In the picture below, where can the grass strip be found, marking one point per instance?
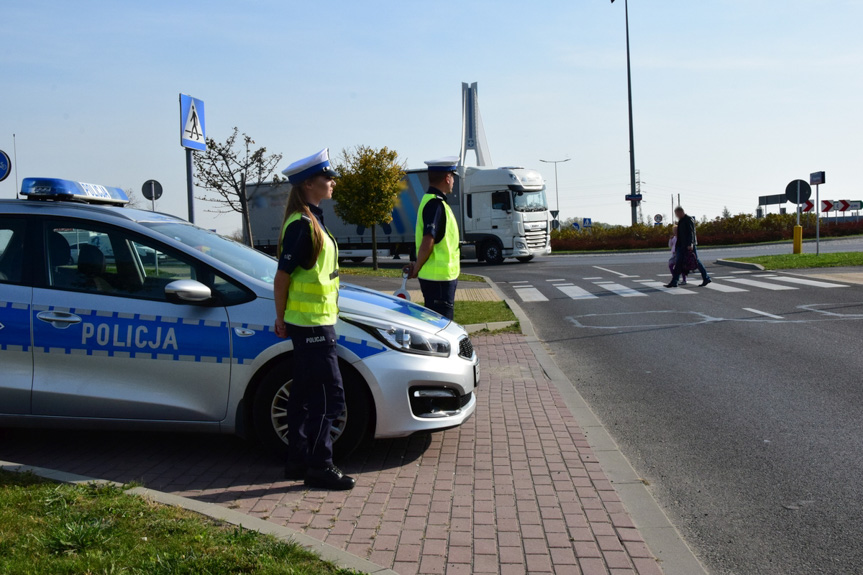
(470, 312)
(392, 273)
(803, 261)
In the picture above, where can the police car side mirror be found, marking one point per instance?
(188, 291)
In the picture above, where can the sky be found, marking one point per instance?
(732, 99)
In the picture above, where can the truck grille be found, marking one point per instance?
(536, 239)
(465, 348)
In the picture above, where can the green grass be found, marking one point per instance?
(470, 312)
(392, 273)
(801, 261)
(58, 529)
(514, 328)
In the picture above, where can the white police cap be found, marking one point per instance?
(445, 164)
(312, 166)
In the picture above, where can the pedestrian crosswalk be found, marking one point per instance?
(628, 286)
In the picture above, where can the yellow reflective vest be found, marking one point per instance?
(313, 295)
(443, 263)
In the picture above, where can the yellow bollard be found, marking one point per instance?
(798, 239)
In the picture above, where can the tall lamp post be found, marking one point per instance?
(631, 137)
(556, 193)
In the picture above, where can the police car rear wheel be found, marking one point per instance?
(270, 416)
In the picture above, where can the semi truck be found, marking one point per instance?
(501, 212)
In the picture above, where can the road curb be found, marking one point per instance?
(660, 535)
(740, 265)
(326, 551)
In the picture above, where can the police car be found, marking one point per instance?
(173, 330)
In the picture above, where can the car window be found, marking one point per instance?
(11, 250)
(500, 201)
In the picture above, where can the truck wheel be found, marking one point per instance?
(268, 411)
(524, 259)
(492, 252)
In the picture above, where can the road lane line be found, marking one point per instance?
(723, 288)
(621, 290)
(762, 285)
(599, 278)
(743, 272)
(557, 280)
(576, 292)
(530, 294)
(764, 313)
(807, 282)
(621, 274)
(661, 287)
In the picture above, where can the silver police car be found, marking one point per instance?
(154, 323)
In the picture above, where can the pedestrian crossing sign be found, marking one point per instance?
(192, 128)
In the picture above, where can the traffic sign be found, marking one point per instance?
(657, 218)
(772, 200)
(575, 226)
(193, 133)
(843, 205)
(797, 192)
(817, 178)
(827, 205)
(633, 197)
(554, 214)
(856, 205)
(586, 222)
(5, 165)
(152, 190)
(808, 205)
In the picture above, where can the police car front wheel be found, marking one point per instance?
(270, 419)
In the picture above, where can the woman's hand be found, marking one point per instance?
(281, 328)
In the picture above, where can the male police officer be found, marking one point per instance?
(437, 264)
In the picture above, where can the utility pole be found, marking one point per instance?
(556, 192)
(631, 136)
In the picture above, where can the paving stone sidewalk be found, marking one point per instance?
(515, 490)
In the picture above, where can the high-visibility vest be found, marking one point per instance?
(313, 295)
(443, 263)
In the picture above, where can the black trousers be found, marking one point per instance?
(317, 395)
(439, 296)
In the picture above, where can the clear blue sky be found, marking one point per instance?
(733, 98)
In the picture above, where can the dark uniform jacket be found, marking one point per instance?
(686, 233)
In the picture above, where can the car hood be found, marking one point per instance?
(357, 302)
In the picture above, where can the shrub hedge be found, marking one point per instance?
(739, 229)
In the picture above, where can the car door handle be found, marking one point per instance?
(58, 319)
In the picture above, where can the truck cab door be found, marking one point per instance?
(501, 217)
(479, 212)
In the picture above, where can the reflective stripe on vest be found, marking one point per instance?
(443, 263)
(313, 295)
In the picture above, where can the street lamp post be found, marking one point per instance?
(631, 136)
(556, 193)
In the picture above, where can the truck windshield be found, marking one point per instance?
(530, 201)
(242, 258)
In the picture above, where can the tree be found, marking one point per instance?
(135, 201)
(224, 168)
(368, 188)
(726, 213)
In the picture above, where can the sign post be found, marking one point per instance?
(798, 192)
(816, 179)
(193, 136)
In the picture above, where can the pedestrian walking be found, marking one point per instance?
(686, 244)
(437, 265)
(672, 262)
(306, 290)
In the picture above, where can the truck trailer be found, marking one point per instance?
(502, 212)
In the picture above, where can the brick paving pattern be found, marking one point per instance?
(515, 490)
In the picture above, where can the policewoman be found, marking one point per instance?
(306, 290)
(437, 265)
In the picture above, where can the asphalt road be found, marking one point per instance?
(741, 405)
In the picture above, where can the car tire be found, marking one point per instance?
(524, 259)
(349, 431)
(492, 252)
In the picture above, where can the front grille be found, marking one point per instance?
(536, 239)
(464, 399)
(465, 348)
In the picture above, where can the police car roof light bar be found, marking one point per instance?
(68, 190)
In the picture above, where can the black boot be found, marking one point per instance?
(330, 477)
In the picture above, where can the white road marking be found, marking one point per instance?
(764, 313)
(599, 278)
(520, 282)
(661, 287)
(564, 284)
(762, 285)
(743, 272)
(558, 280)
(724, 288)
(621, 290)
(621, 274)
(576, 292)
(530, 294)
(807, 282)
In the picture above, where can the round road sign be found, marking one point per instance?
(657, 218)
(152, 190)
(798, 191)
(5, 165)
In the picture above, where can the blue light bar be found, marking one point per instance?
(57, 189)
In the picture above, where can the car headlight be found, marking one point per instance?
(403, 338)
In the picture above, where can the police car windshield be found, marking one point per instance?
(530, 201)
(242, 258)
